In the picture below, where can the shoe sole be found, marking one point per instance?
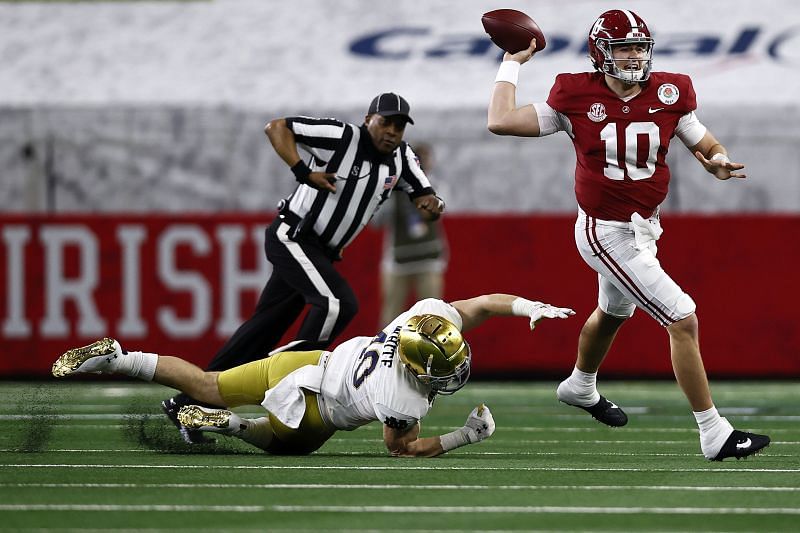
(73, 359)
(192, 437)
(750, 454)
(194, 417)
(586, 409)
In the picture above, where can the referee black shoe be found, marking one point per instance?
(190, 436)
(742, 444)
(606, 412)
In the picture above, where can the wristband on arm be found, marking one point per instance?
(301, 172)
(509, 71)
(454, 439)
(524, 307)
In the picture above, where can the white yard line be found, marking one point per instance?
(531, 509)
(709, 469)
(377, 486)
(402, 509)
(133, 508)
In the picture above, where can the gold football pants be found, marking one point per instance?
(246, 385)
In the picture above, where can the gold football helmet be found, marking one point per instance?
(432, 348)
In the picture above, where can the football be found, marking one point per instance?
(512, 30)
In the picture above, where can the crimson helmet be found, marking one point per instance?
(614, 27)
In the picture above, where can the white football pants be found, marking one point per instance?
(629, 277)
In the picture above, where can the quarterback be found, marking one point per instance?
(393, 377)
(621, 118)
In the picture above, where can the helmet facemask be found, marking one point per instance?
(433, 350)
(609, 66)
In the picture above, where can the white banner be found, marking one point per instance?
(312, 54)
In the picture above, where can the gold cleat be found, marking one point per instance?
(201, 418)
(73, 359)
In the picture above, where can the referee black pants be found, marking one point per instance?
(302, 273)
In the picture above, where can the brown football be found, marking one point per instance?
(512, 30)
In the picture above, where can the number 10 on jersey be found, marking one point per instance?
(635, 168)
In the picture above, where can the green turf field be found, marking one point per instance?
(98, 455)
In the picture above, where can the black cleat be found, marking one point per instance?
(606, 412)
(190, 436)
(742, 444)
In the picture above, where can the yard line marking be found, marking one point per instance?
(556, 441)
(61, 426)
(399, 509)
(345, 440)
(361, 486)
(75, 416)
(530, 509)
(591, 429)
(88, 450)
(569, 429)
(665, 442)
(597, 454)
(134, 508)
(709, 469)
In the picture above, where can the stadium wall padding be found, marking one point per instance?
(180, 284)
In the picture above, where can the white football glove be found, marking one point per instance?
(538, 310)
(480, 424)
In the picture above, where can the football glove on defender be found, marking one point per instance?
(538, 310)
(480, 424)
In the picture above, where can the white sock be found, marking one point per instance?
(714, 431)
(140, 365)
(255, 431)
(580, 388)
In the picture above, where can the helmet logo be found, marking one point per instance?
(597, 27)
(597, 113)
(668, 93)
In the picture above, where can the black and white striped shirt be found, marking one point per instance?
(365, 179)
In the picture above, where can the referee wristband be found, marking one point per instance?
(301, 172)
(508, 71)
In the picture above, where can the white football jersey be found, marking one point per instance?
(365, 380)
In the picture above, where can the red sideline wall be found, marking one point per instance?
(168, 299)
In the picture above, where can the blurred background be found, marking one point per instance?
(136, 181)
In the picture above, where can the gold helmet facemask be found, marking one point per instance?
(433, 350)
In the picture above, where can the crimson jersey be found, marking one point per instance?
(621, 145)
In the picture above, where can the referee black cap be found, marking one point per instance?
(390, 104)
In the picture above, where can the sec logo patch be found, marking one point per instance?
(597, 113)
(668, 93)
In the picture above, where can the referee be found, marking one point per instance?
(350, 172)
